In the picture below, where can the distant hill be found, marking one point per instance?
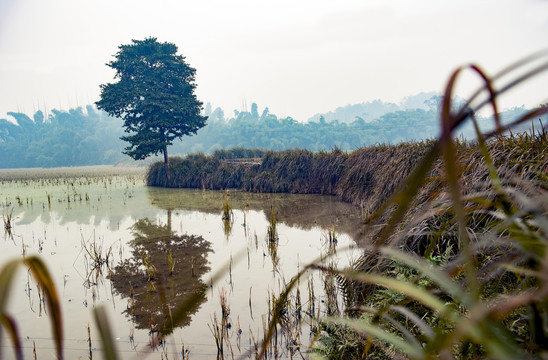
(371, 110)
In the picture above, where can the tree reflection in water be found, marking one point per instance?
(153, 292)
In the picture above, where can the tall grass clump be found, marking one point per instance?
(218, 171)
(272, 230)
(7, 218)
(238, 153)
(458, 262)
(227, 208)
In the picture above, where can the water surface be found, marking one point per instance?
(140, 252)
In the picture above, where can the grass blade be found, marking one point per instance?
(439, 277)
(42, 276)
(11, 328)
(362, 326)
(409, 289)
(103, 324)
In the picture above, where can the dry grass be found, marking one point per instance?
(68, 172)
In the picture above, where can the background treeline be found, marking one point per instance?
(72, 138)
(249, 130)
(90, 137)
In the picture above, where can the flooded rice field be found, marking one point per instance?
(140, 252)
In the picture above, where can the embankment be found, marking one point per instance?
(365, 177)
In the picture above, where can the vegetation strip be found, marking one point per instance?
(366, 177)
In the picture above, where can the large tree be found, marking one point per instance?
(154, 96)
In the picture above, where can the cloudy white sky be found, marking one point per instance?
(296, 57)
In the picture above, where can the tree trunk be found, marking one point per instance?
(166, 161)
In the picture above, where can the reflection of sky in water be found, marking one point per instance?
(106, 219)
(303, 211)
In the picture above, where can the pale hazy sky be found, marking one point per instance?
(296, 57)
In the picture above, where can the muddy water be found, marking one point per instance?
(141, 252)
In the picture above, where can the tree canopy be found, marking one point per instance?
(154, 96)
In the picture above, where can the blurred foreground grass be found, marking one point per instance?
(458, 266)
